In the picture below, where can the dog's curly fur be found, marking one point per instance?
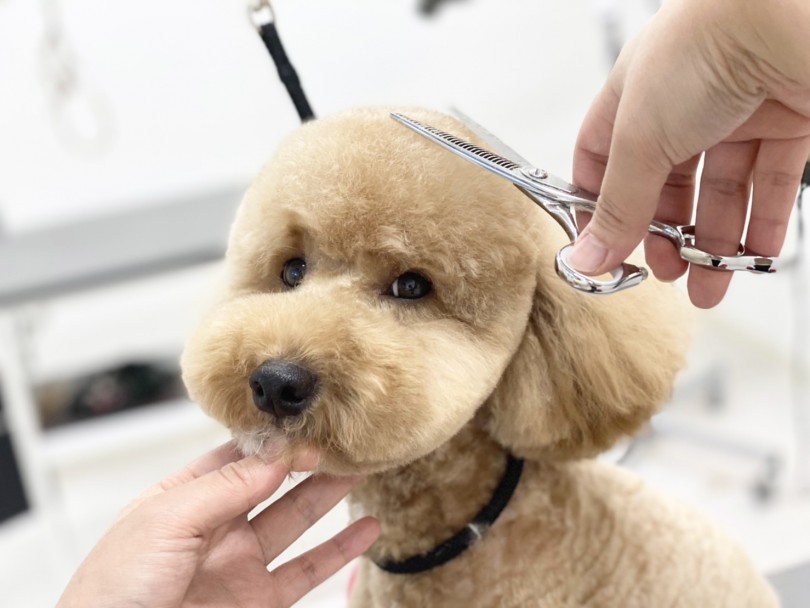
(427, 396)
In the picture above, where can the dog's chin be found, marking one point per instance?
(270, 444)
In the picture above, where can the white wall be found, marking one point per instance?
(194, 100)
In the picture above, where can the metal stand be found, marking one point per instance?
(21, 411)
(800, 359)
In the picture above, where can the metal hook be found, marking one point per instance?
(261, 13)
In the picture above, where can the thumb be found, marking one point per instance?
(627, 202)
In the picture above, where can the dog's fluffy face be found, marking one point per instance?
(363, 201)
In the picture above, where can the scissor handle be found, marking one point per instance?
(623, 277)
(683, 238)
(742, 260)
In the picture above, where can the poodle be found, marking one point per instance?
(396, 309)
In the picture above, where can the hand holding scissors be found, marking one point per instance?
(726, 83)
(562, 201)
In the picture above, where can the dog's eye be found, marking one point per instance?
(411, 286)
(293, 272)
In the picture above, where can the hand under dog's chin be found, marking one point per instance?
(269, 444)
(272, 445)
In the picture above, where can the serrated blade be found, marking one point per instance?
(495, 163)
(493, 141)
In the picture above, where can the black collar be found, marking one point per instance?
(469, 535)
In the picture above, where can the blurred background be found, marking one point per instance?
(128, 132)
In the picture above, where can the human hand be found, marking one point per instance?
(188, 542)
(728, 80)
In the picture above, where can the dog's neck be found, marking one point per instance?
(429, 500)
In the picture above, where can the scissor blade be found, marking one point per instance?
(494, 143)
(524, 175)
(483, 158)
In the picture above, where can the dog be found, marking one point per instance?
(396, 309)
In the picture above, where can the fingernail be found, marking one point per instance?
(588, 254)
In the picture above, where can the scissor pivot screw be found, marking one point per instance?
(534, 173)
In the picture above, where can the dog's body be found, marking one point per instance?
(396, 309)
(575, 534)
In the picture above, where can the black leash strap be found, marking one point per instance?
(264, 19)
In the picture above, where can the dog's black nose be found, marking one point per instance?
(282, 388)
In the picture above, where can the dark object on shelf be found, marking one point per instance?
(114, 390)
(12, 495)
(129, 386)
(429, 7)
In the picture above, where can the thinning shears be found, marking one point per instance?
(562, 201)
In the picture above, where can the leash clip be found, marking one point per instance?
(261, 13)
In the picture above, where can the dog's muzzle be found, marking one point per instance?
(282, 388)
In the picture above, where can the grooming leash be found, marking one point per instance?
(467, 536)
(263, 18)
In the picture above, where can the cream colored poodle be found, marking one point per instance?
(396, 308)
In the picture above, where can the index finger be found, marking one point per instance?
(211, 500)
(302, 574)
(210, 461)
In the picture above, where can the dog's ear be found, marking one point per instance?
(589, 369)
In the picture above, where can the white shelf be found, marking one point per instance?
(87, 440)
(67, 262)
(103, 251)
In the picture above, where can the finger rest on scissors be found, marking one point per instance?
(623, 277)
(742, 260)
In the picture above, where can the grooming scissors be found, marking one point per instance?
(562, 200)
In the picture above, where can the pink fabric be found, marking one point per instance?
(352, 581)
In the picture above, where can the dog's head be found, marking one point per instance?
(383, 292)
